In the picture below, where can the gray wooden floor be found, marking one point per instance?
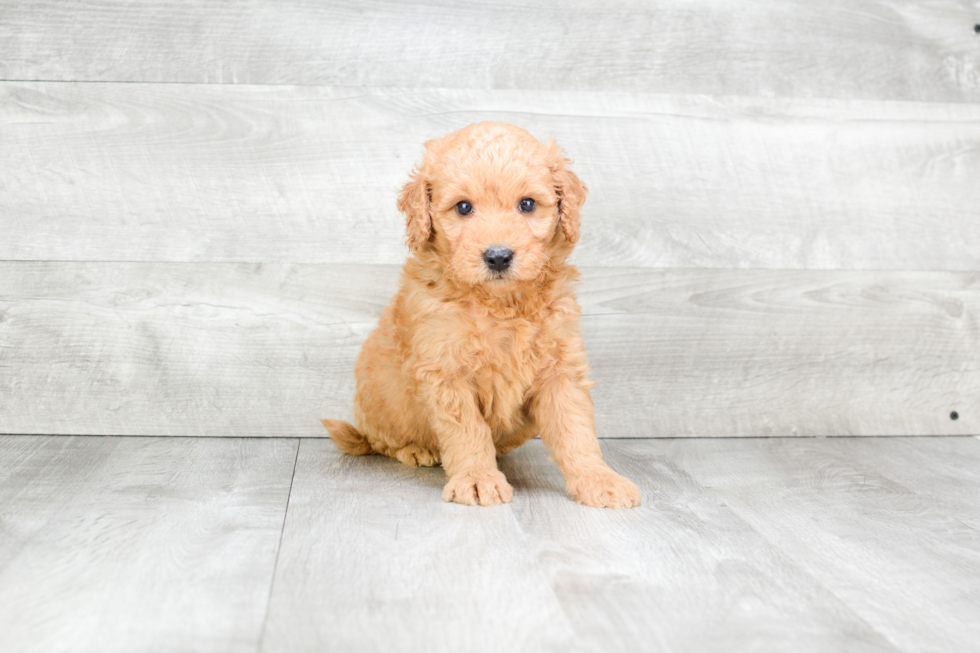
(254, 544)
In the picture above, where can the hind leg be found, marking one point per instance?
(416, 456)
(386, 407)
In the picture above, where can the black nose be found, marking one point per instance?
(498, 258)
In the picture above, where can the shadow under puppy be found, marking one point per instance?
(481, 348)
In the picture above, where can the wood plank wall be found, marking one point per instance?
(197, 220)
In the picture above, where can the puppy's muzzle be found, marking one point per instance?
(498, 258)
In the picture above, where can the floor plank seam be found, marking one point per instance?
(275, 566)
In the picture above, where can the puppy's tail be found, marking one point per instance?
(347, 438)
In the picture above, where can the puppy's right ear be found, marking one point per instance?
(413, 201)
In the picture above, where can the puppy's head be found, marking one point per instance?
(494, 204)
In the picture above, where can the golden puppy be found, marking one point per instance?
(481, 349)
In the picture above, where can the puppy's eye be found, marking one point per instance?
(526, 205)
(464, 208)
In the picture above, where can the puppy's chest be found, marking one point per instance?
(492, 342)
(502, 361)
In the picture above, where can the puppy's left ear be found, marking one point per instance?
(413, 201)
(571, 192)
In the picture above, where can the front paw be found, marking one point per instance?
(604, 488)
(483, 487)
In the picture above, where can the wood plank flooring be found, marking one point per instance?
(138, 544)
(929, 566)
(231, 544)
(266, 350)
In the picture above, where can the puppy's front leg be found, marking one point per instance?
(466, 446)
(563, 411)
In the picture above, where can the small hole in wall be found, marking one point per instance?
(954, 416)
(976, 28)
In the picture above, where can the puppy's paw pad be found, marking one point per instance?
(605, 489)
(484, 488)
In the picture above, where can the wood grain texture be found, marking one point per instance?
(747, 544)
(266, 350)
(683, 572)
(942, 472)
(872, 541)
(183, 349)
(138, 544)
(373, 560)
(876, 49)
(753, 352)
(144, 172)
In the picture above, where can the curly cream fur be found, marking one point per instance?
(467, 364)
